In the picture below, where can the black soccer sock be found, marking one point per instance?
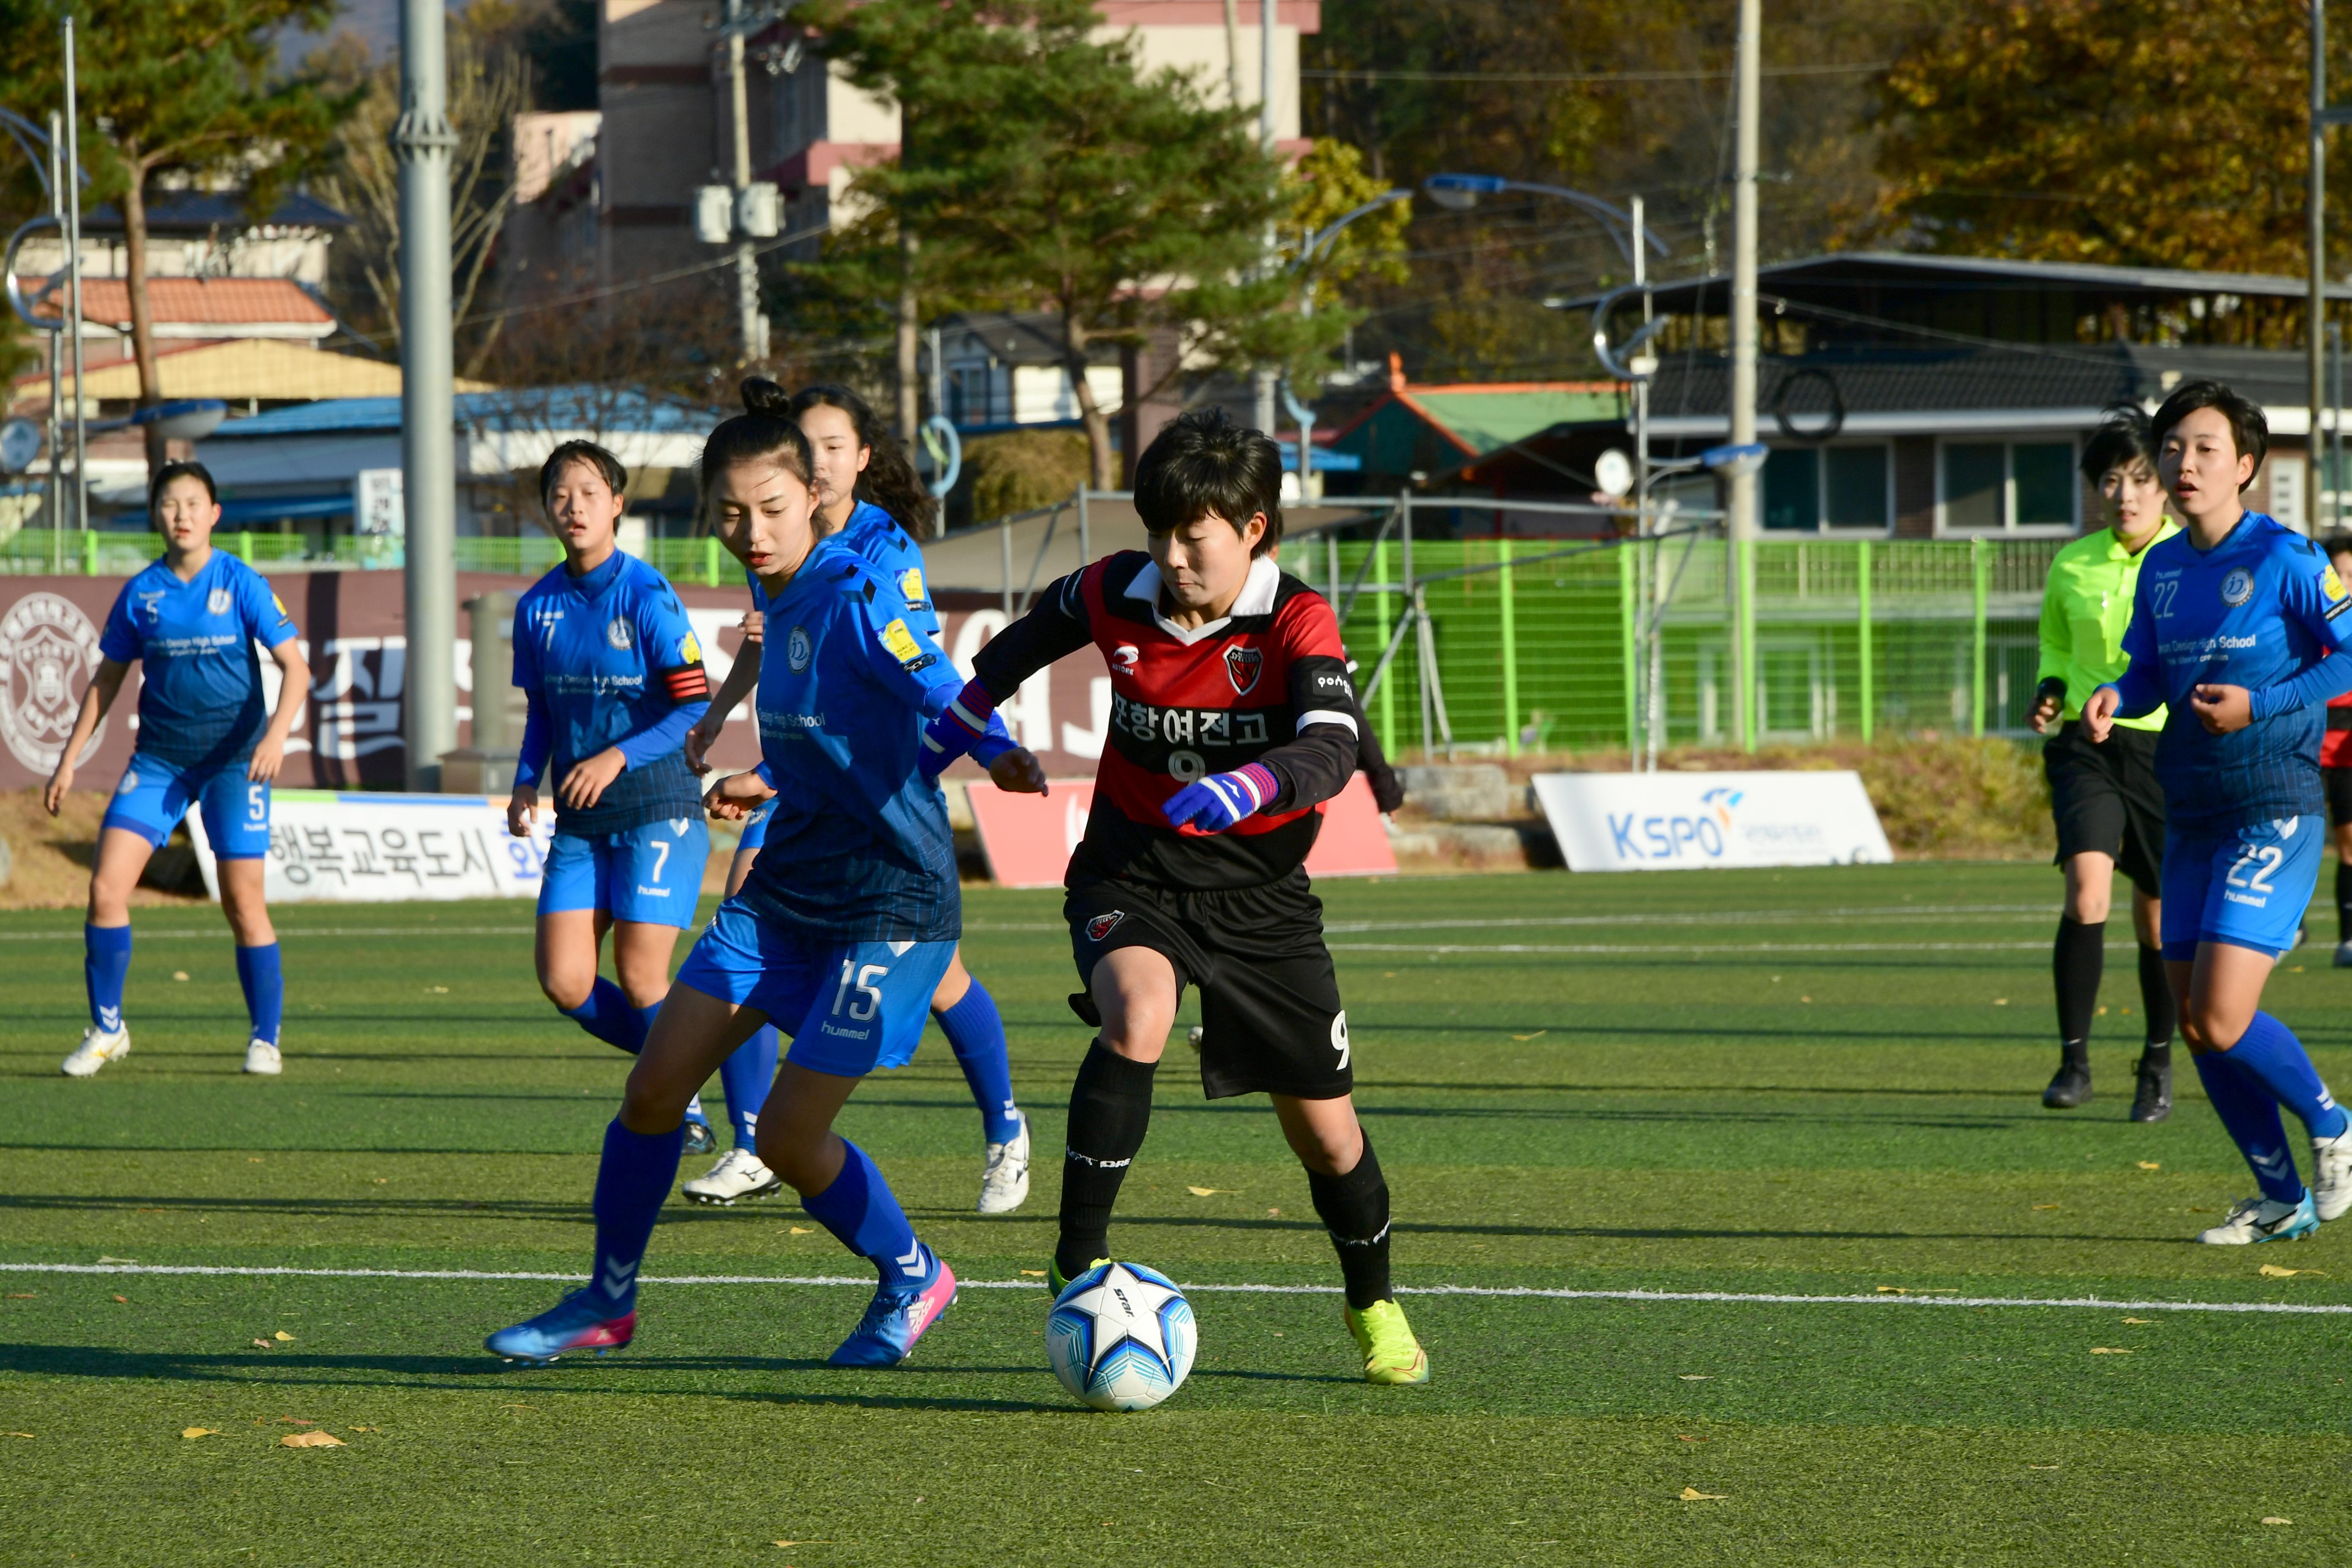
(1355, 1209)
(2343, 901)
(2156, 999)
(2075, 962)
(1110, 1110)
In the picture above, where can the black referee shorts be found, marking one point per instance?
(2104, 800)
(2338, 782)
(1271, 1022)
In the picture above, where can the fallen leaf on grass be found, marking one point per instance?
(439, 990)
(2275, 1519)
(2000, 1001)
(295, 1421)
(117, 1260)
(1212, 1192)
(802, 1230)
(367, 1428)
(1273, 1214)
(1684, 1437)
(179, 974)
(1915, 1289)
(2273, 1271)
(124, 1300)
(309, 1440)
(2040, 1466)
(283, 1337)
(2108, 1349)
(2039, 1207)
(2150, 1165)
(1694, 1376)
(199, 1431)
(1804, 998)
(1692, 1494)
(1034, 1273)
(22, 1295)
(2139, 1320)
(15, 1433)
(1538, 1035)
(265, 1344)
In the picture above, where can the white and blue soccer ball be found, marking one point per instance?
(1121, 1337)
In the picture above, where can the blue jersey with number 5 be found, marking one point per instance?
(200, 693)
(2257, 610)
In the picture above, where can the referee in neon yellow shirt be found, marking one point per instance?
(2109, 807)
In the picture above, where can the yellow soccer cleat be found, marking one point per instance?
(1056, 1284)
(1391, 1355)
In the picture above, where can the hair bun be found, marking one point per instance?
(762, 395)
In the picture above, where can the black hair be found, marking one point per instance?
(766, 431)
(889, 480)
(608, 466)
(2336, 545)
(2123, 438)
(179, 469)
(1202, 463)
(2248, 431)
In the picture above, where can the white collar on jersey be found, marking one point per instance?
(1257, 599)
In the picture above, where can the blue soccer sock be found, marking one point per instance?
(975, 1032)
(608, 1016)
(105, 960)
(2269, 1053)
(265, 989)
(746, 1077)
(2249, 1113)
(864, 1216)
(631, 1184)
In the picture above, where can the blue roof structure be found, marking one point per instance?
(176, 211)
(526, 408)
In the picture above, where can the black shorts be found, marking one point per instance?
(2338, 782)
(1271, 1022)
(2106, 800)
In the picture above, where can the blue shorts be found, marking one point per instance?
(755, 826)
(850, 1006)
(154, 795)
(2247, 886)
(651, 874)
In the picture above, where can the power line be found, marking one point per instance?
(1353, 75)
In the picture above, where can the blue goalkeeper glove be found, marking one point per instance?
(967, 725)
(1214, 803)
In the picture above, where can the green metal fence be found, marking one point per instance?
(1853, 638)
(99, 553)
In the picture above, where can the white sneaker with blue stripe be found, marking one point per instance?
(2258, 1219)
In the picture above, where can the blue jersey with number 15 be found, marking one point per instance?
(2257, 610)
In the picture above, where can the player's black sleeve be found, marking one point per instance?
(1054, 628)
(1388, 790)
(1316, 764)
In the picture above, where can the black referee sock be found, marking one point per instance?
(2156, 1000)
(2075, 962)
(1110, 1110)
(2343, 902)
(1355, 1209)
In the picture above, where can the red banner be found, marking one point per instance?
(1029, 839)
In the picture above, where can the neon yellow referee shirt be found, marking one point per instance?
(2086, 604)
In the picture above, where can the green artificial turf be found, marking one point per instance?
(1809, 1084)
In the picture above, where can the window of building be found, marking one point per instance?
(1808, 489)
(1994, 487)
(967, 394)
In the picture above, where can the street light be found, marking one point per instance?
(1460, 193)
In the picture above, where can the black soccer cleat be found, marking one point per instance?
(2070, 1089)
(2152, 1100)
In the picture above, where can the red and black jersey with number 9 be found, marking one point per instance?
(1267, 684)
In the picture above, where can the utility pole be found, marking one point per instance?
(1742, 525)
(73, 286)
(747, 266)
(1265, 376)
(2316, 212)
(422, 142)
(1234, 54)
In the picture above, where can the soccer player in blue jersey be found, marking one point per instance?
(191, 620)
(2239, 628)
(613, 677)
(865, 489)
(843, 931)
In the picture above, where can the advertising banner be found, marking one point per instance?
(1678, 821)
(1029, 839)
(346, 848)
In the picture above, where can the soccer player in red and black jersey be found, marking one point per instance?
(1233, 721)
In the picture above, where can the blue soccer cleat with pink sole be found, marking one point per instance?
(898, 1316)
(581, 1322)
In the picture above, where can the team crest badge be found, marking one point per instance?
(1245, 665)
(797, 649)
(1102, 926)
(616, 632)
(47, 646)
(217, 602)
(2237, 587)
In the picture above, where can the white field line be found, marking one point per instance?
(1622, 948)
(865, 1282)
(1867, 914)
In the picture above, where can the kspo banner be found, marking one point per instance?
(348, 735)
(1672, 822)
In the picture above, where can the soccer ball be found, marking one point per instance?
(1121, 1337)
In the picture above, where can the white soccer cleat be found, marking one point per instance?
(738, 1175)
(98, 1048)
(261, 1056)
(2259, 1218)
(1005, 1180)
(2331, 1175)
